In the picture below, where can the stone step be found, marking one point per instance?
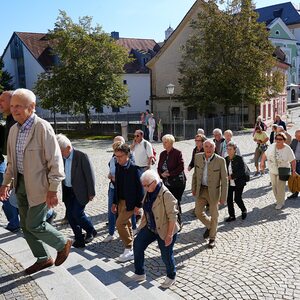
(56, 282)
(117, 271)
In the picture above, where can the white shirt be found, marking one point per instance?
(283, 157)
(232, 183)
(204, 176)
(141, 153)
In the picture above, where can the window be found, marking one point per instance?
(99, 110)
(277, 32)
(147, 102)
(125, 82)
(115, 109)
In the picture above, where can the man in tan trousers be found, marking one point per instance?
(209, 185)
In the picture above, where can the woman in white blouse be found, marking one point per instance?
(278, 154)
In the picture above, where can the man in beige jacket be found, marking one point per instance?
(209, 185)
(35, 167)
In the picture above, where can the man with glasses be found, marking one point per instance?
(127, 197)
(142, 151)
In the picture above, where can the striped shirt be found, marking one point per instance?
(24, 131)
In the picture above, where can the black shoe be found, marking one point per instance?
(211, 244)
(293, 196)
(206, 234)
(13, 230)
(244, 215)
(50, 219)
(90, 236)
(78, 244)
(229, 219)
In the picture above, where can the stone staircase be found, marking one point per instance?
(84, 275)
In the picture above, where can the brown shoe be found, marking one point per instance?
(64, 253)
(38, 266)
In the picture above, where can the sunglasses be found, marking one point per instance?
(198, 141)
(278, 139)
(136, 135)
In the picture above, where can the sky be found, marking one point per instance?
(131, 18)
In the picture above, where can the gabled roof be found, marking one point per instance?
(140, 44)
(286, 11)
(38, 46)
(283, 26)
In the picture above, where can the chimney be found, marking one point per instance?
(115, 35)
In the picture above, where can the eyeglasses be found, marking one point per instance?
(277, 139)
(148, 185)
(136, 135)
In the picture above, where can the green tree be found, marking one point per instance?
(88, 72)
(227, 57)
(6, 80)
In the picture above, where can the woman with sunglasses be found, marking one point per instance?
(278, 154)
(236, 180)
(199, 140)
(159, 223)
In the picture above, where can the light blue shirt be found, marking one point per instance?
(68, 168)
(3, 167)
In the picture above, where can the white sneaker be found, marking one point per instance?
(279, 206)
(138, 278)
(126, 256)
(168, 282)
(109, 238)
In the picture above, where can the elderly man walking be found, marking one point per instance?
(210, 186)
(78, 190)
(35, 166)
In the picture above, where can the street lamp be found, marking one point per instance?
(243, 91)
(170, 91)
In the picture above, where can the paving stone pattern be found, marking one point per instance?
(13, 283)
(256, 258)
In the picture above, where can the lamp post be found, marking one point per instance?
(243, 91)
(170, 91)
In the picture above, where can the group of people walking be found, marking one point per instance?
(38, 162)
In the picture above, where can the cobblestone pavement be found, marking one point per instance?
(256, 258)
(13, 285)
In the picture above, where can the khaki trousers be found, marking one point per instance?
(278, 187)
(210, 222)
(123, 224)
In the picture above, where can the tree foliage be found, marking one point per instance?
(6, 80)
(226, 58)
(88, 72)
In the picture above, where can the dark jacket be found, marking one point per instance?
(281, 123)
(175, 162)
(294, 144)
(238, 170)
(133, 193)
(195, 151)
(4, 133)
(82, 178)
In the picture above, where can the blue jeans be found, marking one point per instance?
(144, 238)
(77, 218)
(111, 216)
(11, 213)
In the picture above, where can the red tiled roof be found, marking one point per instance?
(38, 45)
(141, 44)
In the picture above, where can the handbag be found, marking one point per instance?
(284, 173)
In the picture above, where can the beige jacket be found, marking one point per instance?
(164, 210)
(217, 177)
(42, 161)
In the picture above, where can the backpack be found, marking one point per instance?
(247, 172)
(153, 152)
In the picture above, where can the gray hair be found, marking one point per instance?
(228, 131)
(209, 141)
(200, 131)
(217, 130)
(149, 176)
(63, 141)
(26, 94)
(9, 93)
(119, 138)
(169, 138)
(141, 132)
